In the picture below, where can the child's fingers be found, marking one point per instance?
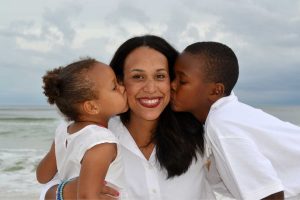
(107, 197)
(109, 191)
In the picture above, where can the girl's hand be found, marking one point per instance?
(70, 192)
(47, 168)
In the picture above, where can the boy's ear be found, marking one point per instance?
(91, 107)
(217, 91)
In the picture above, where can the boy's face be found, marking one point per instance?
(190, 91)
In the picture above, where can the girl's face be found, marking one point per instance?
(147, 82)
(112, 97)
(190, 91)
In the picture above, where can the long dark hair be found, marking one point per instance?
(178, 136)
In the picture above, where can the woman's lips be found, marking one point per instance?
(150, 102)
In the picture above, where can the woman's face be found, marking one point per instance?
(147, 82)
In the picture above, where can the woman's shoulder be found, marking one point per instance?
(115, 125)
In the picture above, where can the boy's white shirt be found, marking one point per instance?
(251, 152)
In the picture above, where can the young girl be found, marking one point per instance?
(87, 94)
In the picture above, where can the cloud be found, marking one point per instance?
(264, 35)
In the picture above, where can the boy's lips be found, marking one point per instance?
(150, 102)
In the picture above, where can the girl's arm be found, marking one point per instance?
(47, 167)
(70, 192)
(94, 166)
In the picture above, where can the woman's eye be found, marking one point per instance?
(161, 76)
(137, 77)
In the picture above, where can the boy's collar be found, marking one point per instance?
(224, 100)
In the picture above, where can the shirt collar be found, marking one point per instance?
(125, 138)
(224, 100)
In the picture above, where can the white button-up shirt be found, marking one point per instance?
(255, 154)
(146, 180)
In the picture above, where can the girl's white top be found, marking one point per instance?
(251, 152)
(71, 148)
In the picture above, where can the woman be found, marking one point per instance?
(160, 149)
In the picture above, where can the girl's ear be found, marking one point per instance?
(90, 107)
(217, 91)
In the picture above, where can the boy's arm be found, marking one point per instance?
(47, 167)
(94, 166)
(276, 196)
(244, 169)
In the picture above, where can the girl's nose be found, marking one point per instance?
(121, 88)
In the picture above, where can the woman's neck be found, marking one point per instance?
(142, 131)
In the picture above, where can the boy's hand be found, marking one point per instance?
(109, 191)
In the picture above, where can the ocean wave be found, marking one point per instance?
(27, 119)
(17, 173)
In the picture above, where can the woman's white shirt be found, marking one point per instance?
(145, 179)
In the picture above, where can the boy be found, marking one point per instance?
(254, 154)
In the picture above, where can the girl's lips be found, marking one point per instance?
(150, 102)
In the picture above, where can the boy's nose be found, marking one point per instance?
(173, 86)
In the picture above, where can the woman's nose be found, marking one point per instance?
(150, 86)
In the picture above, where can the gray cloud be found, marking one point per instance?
(264, 34)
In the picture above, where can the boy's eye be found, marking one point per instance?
(182, 82)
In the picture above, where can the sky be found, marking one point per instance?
(36, 36)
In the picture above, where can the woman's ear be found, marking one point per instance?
(90, 107)
(217, 91)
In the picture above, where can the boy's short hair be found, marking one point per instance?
(221, 64)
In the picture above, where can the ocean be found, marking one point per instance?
(26, 134)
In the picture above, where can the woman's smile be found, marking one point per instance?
(150, 102)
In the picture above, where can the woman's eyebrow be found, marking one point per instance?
(141, 70)
(162, 69)
(136, 70)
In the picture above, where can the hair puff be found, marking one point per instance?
(51, 84)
